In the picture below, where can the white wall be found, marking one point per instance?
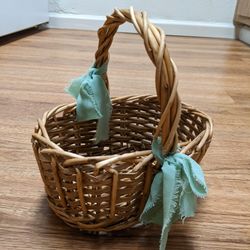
(180, 17)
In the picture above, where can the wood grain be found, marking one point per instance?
(214, 76)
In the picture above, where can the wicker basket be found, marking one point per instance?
(104, 187)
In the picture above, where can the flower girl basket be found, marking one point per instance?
(104, 186)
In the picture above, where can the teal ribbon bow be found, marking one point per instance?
(93, 100)
(174, 191)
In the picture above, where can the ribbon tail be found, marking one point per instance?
(164, 237)
(102, 129)
(194, 175)
(194, 185)
(105, 107)
(171, 194)
(152, 212)
(187, 204)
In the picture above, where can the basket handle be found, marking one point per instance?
(166, 71)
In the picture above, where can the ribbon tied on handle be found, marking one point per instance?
(174, 190)
(93, 100)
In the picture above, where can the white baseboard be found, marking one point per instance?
(244, 34)
(171, 27)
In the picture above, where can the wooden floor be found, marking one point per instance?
(214, 76)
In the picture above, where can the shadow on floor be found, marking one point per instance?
(21, 34)
(143, 237)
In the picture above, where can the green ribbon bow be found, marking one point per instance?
(174, 191)
(93, 100)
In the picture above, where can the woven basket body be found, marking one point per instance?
(104, 187)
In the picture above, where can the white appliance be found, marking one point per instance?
(16, 15)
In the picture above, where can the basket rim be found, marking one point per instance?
(41, 134)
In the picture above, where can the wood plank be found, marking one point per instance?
(214, 76)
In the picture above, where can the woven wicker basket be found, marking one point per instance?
(104, 187)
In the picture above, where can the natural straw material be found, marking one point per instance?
(104, 187)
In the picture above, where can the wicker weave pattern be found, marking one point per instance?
(104, 187)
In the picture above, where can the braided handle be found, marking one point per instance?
(165, 75)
